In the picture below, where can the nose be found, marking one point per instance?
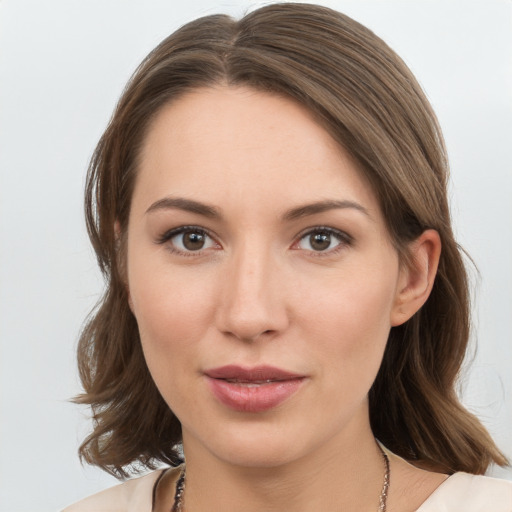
(252, 303)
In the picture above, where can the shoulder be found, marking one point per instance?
(133, 495)
(463, 492)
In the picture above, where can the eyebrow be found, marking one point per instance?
(322, 206)
(213, 212)
(188, 205)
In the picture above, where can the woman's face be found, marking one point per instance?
(262, 277)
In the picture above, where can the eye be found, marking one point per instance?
(188, 239)
(323, 240)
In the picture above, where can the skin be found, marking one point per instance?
(259, 292)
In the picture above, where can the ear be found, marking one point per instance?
(417, 276)
(118, 234)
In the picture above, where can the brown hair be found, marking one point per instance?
(369, 101)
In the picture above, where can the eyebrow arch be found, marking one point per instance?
(188, 205)
(322, 206)
(213, 213)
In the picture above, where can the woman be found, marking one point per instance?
(285, 296)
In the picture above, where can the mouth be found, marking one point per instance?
(250, 383)
(253, 390)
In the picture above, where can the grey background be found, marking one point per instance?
(63, 64)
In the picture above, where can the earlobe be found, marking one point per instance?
(417, 277)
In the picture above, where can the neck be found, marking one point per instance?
(346, 475)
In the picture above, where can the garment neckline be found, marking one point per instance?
(438, 490)
(433, 495)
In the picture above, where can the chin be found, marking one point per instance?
(262, 444)
(265, 455)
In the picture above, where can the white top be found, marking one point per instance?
(463, 492)
(460, 492)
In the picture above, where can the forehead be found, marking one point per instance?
(226, 142)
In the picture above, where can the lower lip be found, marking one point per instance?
(253, 398)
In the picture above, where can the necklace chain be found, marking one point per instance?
(385, 486)
(180, 487)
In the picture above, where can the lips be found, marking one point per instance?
(253, 390)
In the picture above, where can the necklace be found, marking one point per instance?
(180, 486)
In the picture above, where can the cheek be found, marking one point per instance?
(173, 318)
(173, 314)
(351, 321)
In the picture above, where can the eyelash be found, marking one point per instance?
(345, 240)
(169, 235)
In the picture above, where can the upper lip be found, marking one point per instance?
(254, 374)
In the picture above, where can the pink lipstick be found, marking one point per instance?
(255, 389)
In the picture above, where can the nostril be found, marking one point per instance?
(249, 338)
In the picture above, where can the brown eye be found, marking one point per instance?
(188, 240)
(320, 241)
(323, 240)
(193, 241)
